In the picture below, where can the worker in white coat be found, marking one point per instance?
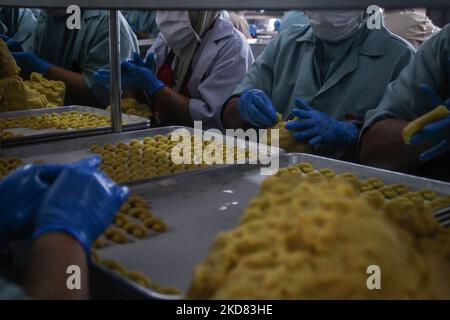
(192, 68)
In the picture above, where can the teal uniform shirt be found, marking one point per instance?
(404, 99)
(85, 50)
(11, 292)
(293, 66)
(19, 21)
(142, 21)
(293, 17)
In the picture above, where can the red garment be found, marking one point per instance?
(166, 74)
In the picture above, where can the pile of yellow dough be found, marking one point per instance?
(286, 138)
(7, 165)
(420, 123)
(151, 157)
(308, 235)
(132, 107)
(16, 94)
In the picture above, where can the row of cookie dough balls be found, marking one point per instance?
(133, 219)
(136, 208)
(61, 121)
(373, 189)
(136, 160)
(135, 276)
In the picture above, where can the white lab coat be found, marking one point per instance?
(218, 66)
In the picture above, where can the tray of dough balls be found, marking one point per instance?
(37, 125)
(169, 225)
(132, 156)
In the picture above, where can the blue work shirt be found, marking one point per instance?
(290, 68)
(83, 51)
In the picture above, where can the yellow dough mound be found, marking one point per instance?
(132, 107)
(15, 95)
(287, 141)
(8, 66)
(55, 91)
(304, 238)
(420, 123)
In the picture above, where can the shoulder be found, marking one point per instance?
(392, 43)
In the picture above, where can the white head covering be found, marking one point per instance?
(183, 31)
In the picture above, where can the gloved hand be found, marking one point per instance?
(255, 107)
(320, 129)
(81, 202)
(22, 192)
(136, 75)
(12, 44)
(29, 63)
(437, 131)
(253, 30)
(277, 25)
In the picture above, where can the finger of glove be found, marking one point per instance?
(302, 114)
(431, 95)
(306, 134)
(256, 117)
(437, 127)
(315, 141)
(137, 60)
(150, 61)
(442, 148)
(302, 105)
(266, 109)
(300, 124)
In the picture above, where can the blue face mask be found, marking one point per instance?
(335, 25)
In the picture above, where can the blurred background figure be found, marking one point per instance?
(143, 22)
(239, 22)
(412, 25)
(293, 17)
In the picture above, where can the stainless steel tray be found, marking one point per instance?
(199, 205)
(130, 122)
(72, 150)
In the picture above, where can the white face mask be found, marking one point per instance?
(176, 28)
(335, 25)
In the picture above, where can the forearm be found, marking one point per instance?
(382, 146)
(176, 104)
(50, 256)
(76, 86)
(231, 118)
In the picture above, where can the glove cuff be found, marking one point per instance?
(349, 133)
(154, 86)
(79, 236)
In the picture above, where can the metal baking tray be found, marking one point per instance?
(199, 205)
(64, 151)
(130, 123)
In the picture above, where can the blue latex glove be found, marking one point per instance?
(81, 202)
(12, 44)
(136, 75)
(320, 129)
(253, 30)
(21, 195)
(277, 25)
(256, 108)
(437, 132)
(29, 63)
